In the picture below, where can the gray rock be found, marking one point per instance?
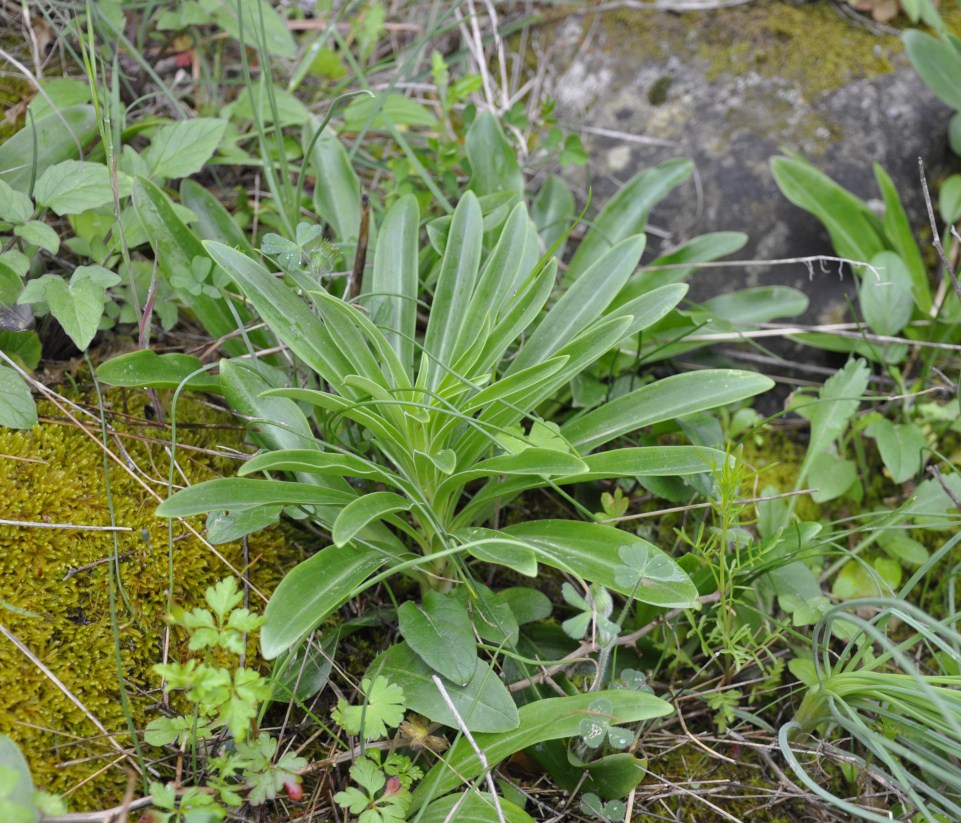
(731, 88)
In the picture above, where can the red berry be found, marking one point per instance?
(294, 790)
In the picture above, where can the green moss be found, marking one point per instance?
(54, 474)
(657, 93)
(809, 46)
(734, 780)
(777, 461)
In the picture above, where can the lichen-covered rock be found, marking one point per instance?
(56, 595)
(729, 89)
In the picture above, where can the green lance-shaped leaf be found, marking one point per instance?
(938, 62)
(50, 140)
(238, 493)
(337, 191)
(499, 276)
(613, 558)
(553, 212)
(531, 461)
(666, 399)
(286, 315)
(455, 284)
(854, 230)
(317, 462)
(583, 302)
(314, 589)
(493, 161)
(648, 461)
(364, 510)
(897, 231)
(148, 369)
(700, 249)
(626, 212)
(552, 718)
(214, 221)
(394, 283)
(473, 807)
(176, 248)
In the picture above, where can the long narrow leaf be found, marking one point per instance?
(583, 302)
(666, 399)
(239, 493)
(626, 212)
(313, 590)
(455, 284)
(362, 511)
(552, 718)
(393, 305)
(610, 557)
(646, 461)
(286, 314)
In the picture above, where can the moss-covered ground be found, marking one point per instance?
(57, 597)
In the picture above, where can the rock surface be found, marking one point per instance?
(730, 88)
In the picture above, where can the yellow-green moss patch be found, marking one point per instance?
(55, 585)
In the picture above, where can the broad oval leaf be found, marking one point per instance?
(552, 718)
(238, 493)
(51, 140)
(440, 633)
(74, 186)
(182, 148)
(484, 704)
(886, 294)
(311, 591)
(938, 63)
(491, 615)
(17, 408)
(363, 510)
